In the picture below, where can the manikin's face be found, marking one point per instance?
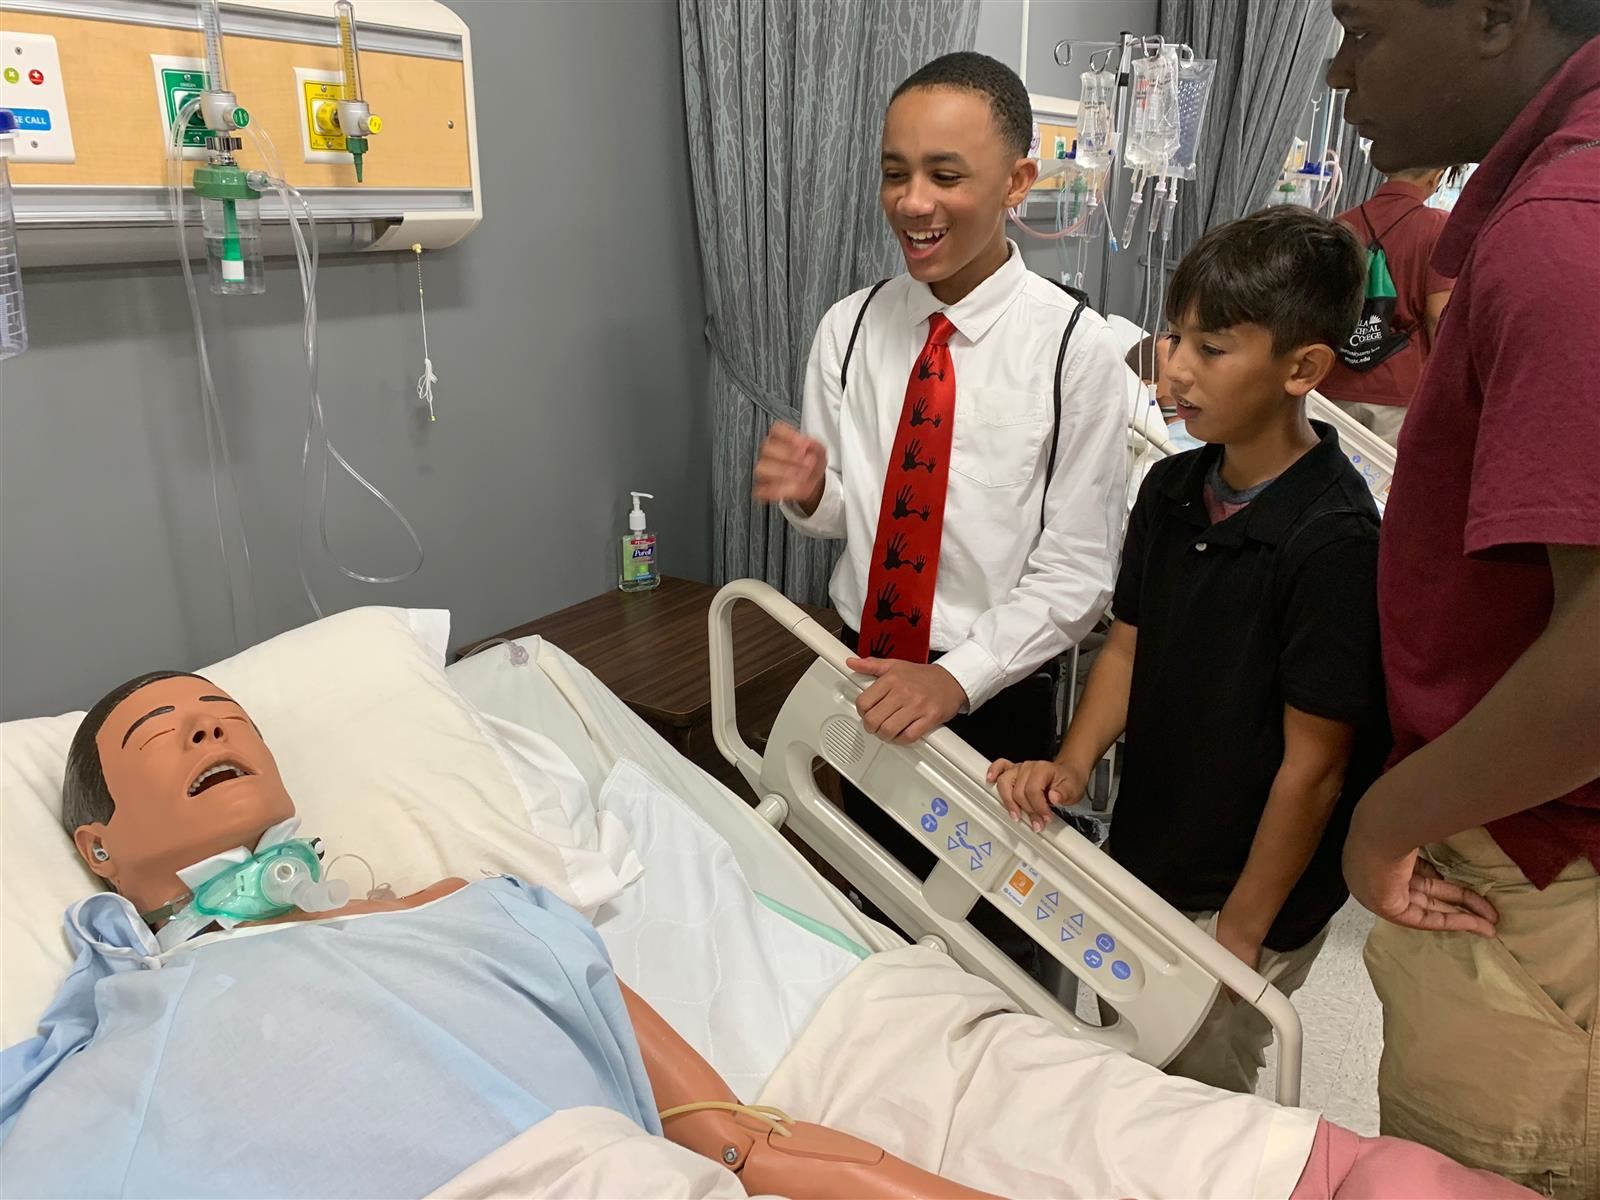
(190, 777)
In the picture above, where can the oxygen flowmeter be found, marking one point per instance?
(230, 209)
(356, 120)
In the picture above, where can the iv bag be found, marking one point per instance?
(1153, 125)
(1194, 94)
(1097, 118)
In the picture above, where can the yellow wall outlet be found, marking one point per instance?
(321, 101)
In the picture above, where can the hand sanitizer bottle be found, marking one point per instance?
(638, 571)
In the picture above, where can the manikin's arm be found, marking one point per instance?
(794, 1158)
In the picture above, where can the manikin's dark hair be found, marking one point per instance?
(85, 798)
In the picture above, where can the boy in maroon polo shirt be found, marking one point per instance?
(1398, 218)
(1489, 596)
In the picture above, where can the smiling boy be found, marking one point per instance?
(962, 431)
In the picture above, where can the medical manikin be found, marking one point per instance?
(173, 799)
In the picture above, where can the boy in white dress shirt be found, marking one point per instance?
(963, 432)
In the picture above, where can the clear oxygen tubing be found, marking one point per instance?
(1330, 196)
(307, 257)
(1064, 229)
(211, 410)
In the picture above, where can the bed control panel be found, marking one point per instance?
(1048, 908)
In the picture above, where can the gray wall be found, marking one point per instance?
(566, 333)
(1049, 21)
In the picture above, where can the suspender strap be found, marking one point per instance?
(855, 332)
(1055, 425)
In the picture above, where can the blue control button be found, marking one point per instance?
(939, 806)
(1106, 942)
(930, 822)
(1121, 969)
(1092, 957)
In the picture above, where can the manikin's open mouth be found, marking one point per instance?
(221, 773)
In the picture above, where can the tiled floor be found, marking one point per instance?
(1343, 1027)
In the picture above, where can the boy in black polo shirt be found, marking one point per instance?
(1243, 664)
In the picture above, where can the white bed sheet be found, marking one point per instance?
(543, 688)
(735, 979)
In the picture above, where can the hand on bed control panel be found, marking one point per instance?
(169, 788)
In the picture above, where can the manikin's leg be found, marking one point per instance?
(798, 1159)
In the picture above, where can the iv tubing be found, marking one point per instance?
(308, 260)
(216, 431)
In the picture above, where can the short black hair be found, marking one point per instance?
(1297, 274)
(85, 798)
(974, 72)
(1573, 18)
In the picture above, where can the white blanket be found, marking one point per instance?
(592, 1152)
(938, 1067)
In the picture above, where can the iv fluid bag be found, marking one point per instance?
(1194, 94)
(1097, 120)
(1153, 126)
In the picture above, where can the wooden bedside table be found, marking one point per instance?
(653, 650)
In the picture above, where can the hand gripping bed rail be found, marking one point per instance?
(1153, 966)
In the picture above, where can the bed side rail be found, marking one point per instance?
(1153, 966)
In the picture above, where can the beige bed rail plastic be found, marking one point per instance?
(1153, 966)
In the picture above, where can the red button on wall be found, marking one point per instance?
(36, 76)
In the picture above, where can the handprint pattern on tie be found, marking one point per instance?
(910, 460)
(893, 560)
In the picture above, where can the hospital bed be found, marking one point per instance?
(712, 916)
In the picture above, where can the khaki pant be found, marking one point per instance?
(1383, 419)
(1230, 1047)
(1488, 1047)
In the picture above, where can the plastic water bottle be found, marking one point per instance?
(13, 326)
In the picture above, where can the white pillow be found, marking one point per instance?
(383, 758)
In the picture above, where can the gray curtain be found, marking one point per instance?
(785, 103)
(1271, 56)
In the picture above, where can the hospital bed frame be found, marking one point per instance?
(1157, 970)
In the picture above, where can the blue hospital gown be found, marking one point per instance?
(373, 1056)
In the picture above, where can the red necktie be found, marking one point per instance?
(898, 615)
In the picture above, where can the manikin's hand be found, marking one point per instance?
(1403, 888)
(908, 700)
(792, 467)
(1028, 789)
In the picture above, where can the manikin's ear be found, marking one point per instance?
(1309, 366)
(88, 839)
(1024, 173)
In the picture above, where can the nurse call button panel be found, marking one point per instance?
(31, 87)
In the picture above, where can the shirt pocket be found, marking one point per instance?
(997, 436)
